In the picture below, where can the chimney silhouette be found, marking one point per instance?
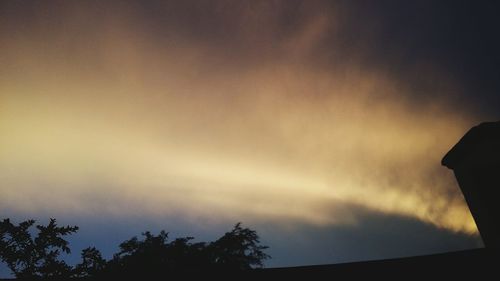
(475, 160)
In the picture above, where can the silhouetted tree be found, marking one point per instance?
(238, 249)
(38, 257)
(92, 263)
(140, 256)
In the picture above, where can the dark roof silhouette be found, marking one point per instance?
(479, 146)
(475, 263)
(475, 160)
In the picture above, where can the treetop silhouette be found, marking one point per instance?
(26, 256)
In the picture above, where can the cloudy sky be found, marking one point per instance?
(320, 124)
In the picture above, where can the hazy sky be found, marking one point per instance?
(321, 124)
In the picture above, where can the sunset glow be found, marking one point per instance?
(112, 114)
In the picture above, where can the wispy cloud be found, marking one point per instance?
(126, 121)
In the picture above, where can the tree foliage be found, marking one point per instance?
(35, 257)
(238, 249)
(92, 263)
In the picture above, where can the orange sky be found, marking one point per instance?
(112, 118)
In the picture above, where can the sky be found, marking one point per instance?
(320, 124)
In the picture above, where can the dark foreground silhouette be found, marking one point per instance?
(27, 257)
(475, 160)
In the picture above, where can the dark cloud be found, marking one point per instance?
(409, 39)
(412, 41)
(374, 236)
(457, 37)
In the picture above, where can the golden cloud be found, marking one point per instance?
(168, 127)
